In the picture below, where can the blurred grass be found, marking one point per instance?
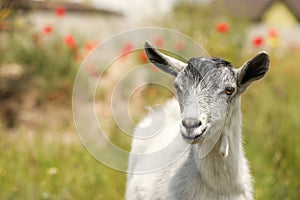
(40, 166)
(271, 130)
(47, 61)
(43, 167)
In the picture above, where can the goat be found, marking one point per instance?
(208, 117)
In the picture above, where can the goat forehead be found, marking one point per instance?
(209, 69)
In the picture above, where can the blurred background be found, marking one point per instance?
(43, 43)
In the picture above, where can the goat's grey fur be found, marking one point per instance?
(208, 117)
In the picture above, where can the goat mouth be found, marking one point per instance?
(196, 138)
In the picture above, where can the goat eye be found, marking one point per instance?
(229, 90)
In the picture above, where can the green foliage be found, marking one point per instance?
(200, 22)
(47, 60)
(271, 130)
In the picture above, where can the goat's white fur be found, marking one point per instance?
(223, 174)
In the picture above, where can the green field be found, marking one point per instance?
(272, 130)
(51, 163)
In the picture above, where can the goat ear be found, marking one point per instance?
(162, 61)
(253, 70)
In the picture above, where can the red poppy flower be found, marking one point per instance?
(257, 41)
(60, 11)
(47, 29)
(92, 71)
(222, 27)
(273, 33)
(179, 46)
(154, 68)
(70, 42)
(127, 49)
(143, 57)
(159, 42)
(4, 25)
(90, 45)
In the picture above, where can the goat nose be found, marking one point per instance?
(191, 122)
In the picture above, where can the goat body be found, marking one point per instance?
(209, 162)
(213, 177)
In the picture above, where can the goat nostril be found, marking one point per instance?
(191, 122)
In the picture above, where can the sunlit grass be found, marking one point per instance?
(271, 129)
(40, 166)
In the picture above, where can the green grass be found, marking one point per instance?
(271, 129)
(43, 167)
